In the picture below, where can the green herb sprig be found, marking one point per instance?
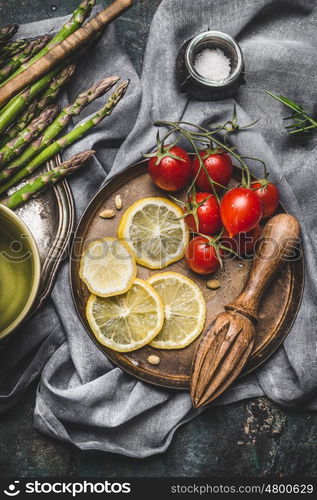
(302, 123)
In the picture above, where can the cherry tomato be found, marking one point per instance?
(241, 210)
(242, 243)
(207, 210)
(170, 169)
(268, 194)
(218, 165)
(201, 256)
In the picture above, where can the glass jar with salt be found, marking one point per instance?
(210, 66)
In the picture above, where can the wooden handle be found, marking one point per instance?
(63, 50)
(279, 238)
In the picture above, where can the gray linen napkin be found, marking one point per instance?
(82, 398)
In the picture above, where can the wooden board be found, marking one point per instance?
(278, 308)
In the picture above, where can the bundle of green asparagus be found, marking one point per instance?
(31, 122)
(43, 148)
(47, 98)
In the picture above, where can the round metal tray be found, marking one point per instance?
(278, 309)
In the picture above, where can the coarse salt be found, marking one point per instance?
(212, 64)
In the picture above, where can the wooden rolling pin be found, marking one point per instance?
(63, 50)
(227, 345)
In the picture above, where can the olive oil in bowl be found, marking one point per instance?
(19, 271)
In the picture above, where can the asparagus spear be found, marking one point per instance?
(68, 139)
(20, 123)
(12, 48)
(46, 180)
(40, 103)
(78, 18)
(34, 129)
(16, 61)
(20, 102)
(7, 32)
(63, 119)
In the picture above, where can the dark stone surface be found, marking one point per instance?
(251, 438)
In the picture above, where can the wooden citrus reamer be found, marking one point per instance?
(227, 345)
(63, 50)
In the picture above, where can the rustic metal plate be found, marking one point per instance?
(278, 310)
(50, 217)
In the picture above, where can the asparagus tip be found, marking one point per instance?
(8, 30)
(74, 163)
(101, 87)
(77, 160)
(84, 155)
(122, 88)
(69, 69)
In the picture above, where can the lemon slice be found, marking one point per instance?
(108, 267)
(155, 232)
(129, 321)
(184, 308)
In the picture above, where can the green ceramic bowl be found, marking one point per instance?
(19, 271)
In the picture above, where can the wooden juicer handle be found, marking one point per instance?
(277, 244)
